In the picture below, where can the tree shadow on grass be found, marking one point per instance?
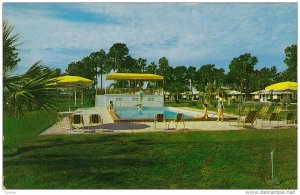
(59, 142)
(92, 169)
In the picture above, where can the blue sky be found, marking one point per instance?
(190, 34)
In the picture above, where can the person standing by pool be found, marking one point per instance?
(220, 108)
(141, 95)
(205, 111)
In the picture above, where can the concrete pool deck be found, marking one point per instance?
(138, 127)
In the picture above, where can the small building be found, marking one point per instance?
(191, 95)
(235, 95)
(272, 96)
(131, 97)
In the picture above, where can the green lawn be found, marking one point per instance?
(21, 129)
(184, 160)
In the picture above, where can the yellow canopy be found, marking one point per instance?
(282, 86)
(133, 76)
(73, 82)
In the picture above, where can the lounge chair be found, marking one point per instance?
(95, 119)
(159, 118)
(242, 111)
(289, 119)
(76, 122)
(178, 119)
(274, 116)
(250, 117)
(263, 112)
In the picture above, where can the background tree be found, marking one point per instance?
(209, 74)
(240, 71)
(57, 72)
(99, 60)
(130, 65)
(84, 68)
(191, 75)
(210, 92)
(179, 82)
(290, 74)
(152, 68)
(141, 64)
(117, 55)
(262, 78)
(166, 71)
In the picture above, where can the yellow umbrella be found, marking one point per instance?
(133, 76)
(282, 86)
(73, 82)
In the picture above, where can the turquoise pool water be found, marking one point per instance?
(146, 112)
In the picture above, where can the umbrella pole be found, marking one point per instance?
(75, 97)
(82, 98)
(69, 101)
(287, 99)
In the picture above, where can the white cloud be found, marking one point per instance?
(178, 31)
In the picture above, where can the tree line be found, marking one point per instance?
(242, 75)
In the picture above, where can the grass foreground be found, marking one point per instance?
(183, 160)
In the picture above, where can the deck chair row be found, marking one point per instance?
(250, 115)
(77, 123)
(160, 118)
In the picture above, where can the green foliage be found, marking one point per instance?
(178, 80)
(152, 68)
(117, 56)
(29, 91)
(290, 74)
(163, 66)
(166, 71)
(241, 75)
(210, 92)
(209, 74)
(240, 71)
(10, 51)
(192, 73)
(141, 65)
(100, 62)
(84, 68)
(262, 78)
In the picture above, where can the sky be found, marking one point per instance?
(189, 34)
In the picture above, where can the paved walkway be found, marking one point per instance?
(111, 127)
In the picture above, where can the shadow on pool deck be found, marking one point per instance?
(132, 126)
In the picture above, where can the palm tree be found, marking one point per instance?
(10, 51)
(31, 90)
(99, 60)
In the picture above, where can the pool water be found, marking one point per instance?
(146, 112)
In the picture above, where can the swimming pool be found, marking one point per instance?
(147, 112)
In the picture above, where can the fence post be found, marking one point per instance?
(272, 162)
